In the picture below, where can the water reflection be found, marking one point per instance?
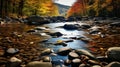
(76, 44)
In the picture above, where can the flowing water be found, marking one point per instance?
(76, 44)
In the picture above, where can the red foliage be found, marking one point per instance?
(76, 8)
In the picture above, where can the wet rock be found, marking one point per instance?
(84, 65)
(113, 64)
(71, 26)
(46, 52)
(53, 54)
(14, 62)
(11, 51)
(57, 34)
(113, 54)
(39, 64)
(61, 43)
(102, 58)
(96, 66)
(73, 55)
(84, 52)
(64, 51)
(46, 59)
(76, 62)
(93, 62)
(67, 62)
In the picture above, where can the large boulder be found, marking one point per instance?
(64, 51)
(39, 64)
(113, 54)
(71, 26)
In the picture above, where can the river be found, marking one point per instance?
(76, 44)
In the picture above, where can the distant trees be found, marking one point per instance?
(16, 8)
(109, 8)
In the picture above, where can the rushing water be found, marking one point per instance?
(76, 44)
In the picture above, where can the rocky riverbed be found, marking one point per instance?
(19, 45)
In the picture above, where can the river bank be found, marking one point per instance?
(21, 41)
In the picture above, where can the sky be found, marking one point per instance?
(65, 2)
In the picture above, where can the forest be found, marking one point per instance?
(109, 8)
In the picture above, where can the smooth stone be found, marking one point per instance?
(76, 62)
(84, 52)
(113, 64)
(39, 64)
(93, 62)
(46, 52)
(73, 55)
(113, 54)
(64, 51)
(96, 66)
(12, 50)
(82, 65)
(14, 62)
(46, 59)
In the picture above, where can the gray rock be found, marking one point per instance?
(85, 52)
(113, 64)
(39, 64)
(113, 54)
(12, 50)
(64, 51)
(46, 52)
